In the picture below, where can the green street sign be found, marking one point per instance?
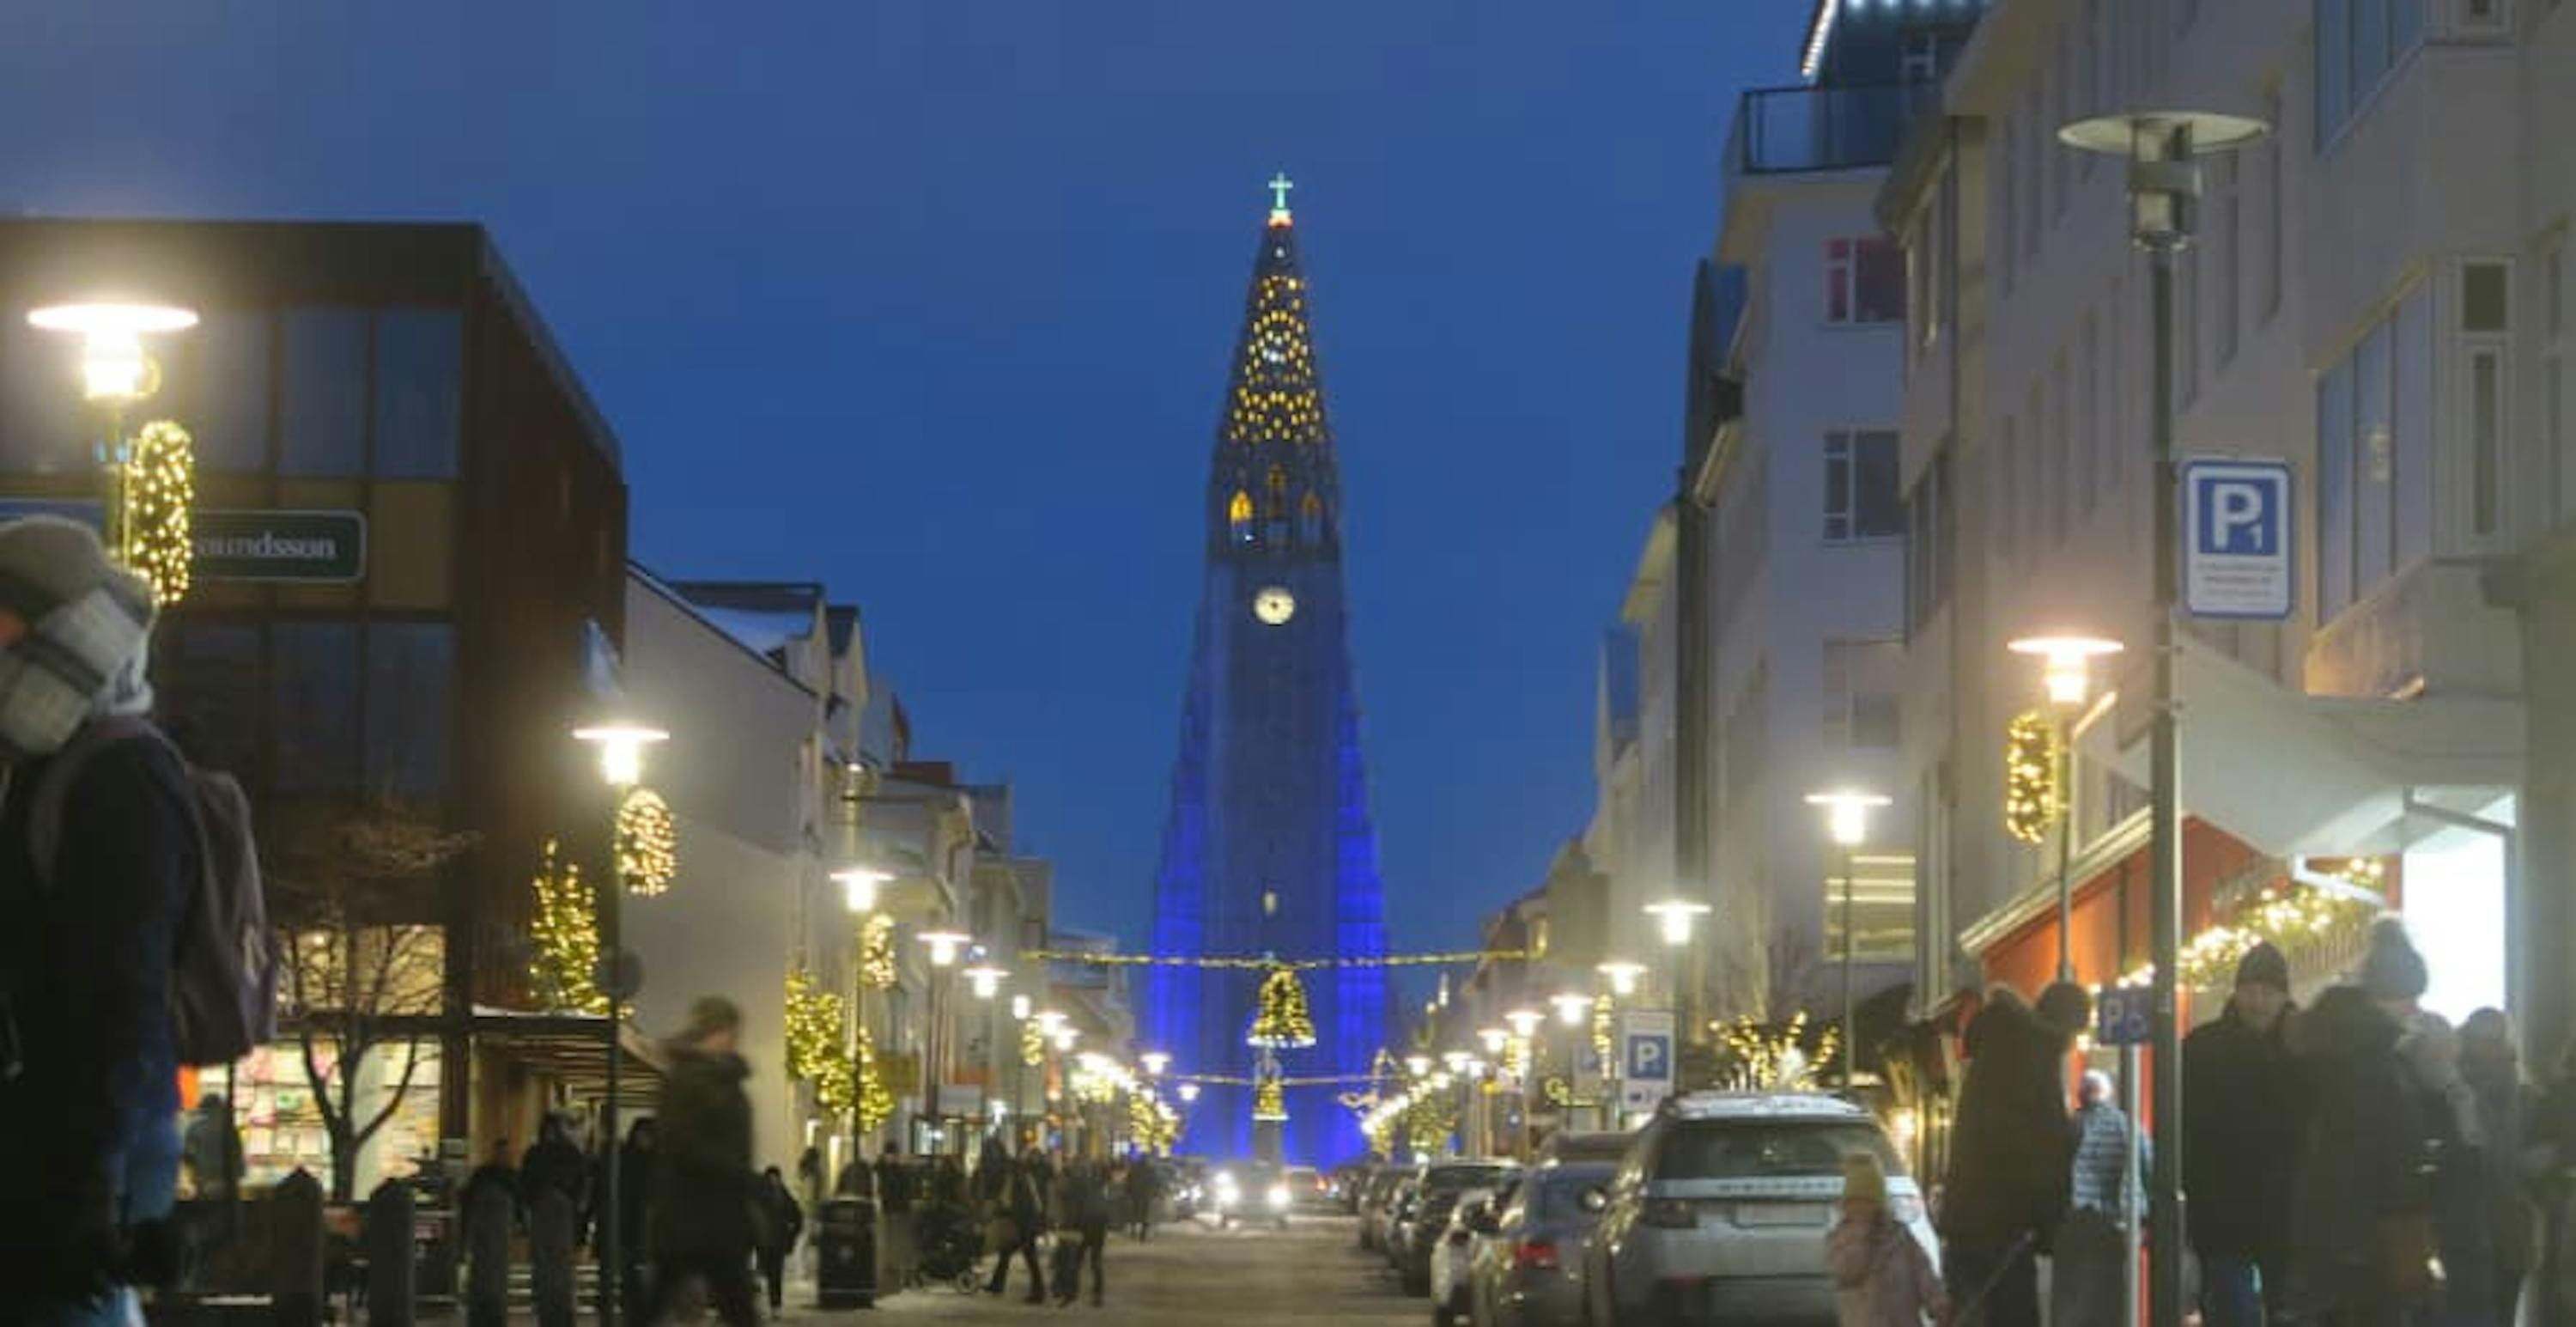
(328, 547)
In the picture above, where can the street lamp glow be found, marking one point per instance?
(1571, 1006)
(1049, 1021)
(1155, 1063)
(113, 365)
(1847, 814)
(859, 887)
(1676, 917)
(1417, 1065)
(1020, 1008)
(621, 748)
(1493, 1040)
(1623, 976)
(1189, 1093)
(1456, 1061)
(1065, 1037)
(1524, 1022)
(944, 946)
(2067, 664)
(985, 981)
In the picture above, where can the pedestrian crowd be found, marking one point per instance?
(2358, 1162)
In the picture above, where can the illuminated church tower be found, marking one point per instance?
(1268, 847)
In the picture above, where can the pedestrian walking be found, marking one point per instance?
(2085, 1280)
(2492, 1068)
(2243, 1110)
(211, 1151)
(2011, 1147)
(491, 1211)
(703, 1183)
(390, 1227)
(551, 1223)
(781, 1222)
(1144, 1189)
(898, 1201)
(1017, 1214)
(2361, 1235)
(636, 1160)
(89, 1100)
(2455, 1145)
(553, 1164)
(1084, 1199)
(1882, 1277)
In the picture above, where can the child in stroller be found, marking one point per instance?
(952, 1243)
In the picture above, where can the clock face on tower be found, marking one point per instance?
(1274, 605)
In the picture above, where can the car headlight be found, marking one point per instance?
(1278, 1195)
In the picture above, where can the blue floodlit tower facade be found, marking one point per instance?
(1268, 848)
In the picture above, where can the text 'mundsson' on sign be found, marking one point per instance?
(307, 546)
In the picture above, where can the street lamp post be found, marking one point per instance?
(1847, 821)
(2067, 672)
(859, 886)
(945, 946)
(1525, 1025)
(2162, 149)
(621, 746)
(116, 372)
(985, 980)
(1674, 920)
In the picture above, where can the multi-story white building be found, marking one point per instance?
(2375, 297)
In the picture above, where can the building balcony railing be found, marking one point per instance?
(1780, 131)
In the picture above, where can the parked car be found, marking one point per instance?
(1572, 1147)
(1377, 1206)
(1454, 1252)
(1308, 1190)
(1400, 1211)
(1528, 1271)
(1436, 1197)
(1349, 1182)
(1249, 1192)
(1721, 1209)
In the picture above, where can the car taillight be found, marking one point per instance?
(1669, 1214)
(1534, 1255)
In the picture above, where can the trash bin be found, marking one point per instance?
(845, 1246)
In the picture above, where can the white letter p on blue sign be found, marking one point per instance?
(2238, 539)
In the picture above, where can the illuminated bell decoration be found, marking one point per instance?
(2031, 799)
(876, 952)
(1283, 1022)
(564, 933)
(1270, 1101)
(161, 487)
(648, 844)
(1033, 1044)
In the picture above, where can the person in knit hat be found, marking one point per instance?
(2392, 973)
(2241, 1122)
(1882, 1277)
(2365, 1240)
(88, 1070)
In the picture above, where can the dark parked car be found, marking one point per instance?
(1441, 1184)
(1528, 1270)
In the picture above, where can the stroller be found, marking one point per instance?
(952, 1243)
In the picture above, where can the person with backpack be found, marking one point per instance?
(105, 861)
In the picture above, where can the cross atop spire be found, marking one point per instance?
(1280, 184)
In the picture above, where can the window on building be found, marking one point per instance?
(1238, 517)
(1881, 890)
(1861, 498)
(1864, 683)
(323, 413)
(2485, 321)
(2375, 452)
(220, 373)
(2358, 43)
(1864, 280)
(2276, 205)
(314, 691)
(2230, 246)
(411, 707)
(206, 680)
(1931, 543)
(420, 363)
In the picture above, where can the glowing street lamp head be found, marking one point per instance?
(1456, 1060)
(1065, 1037)
(859, 887)
(1417, 1065)
(945, 946)
(1623, 976)
(1676, 917)
(1570, 1007)
(1020, 1008)
(1189, 1093)
(2066, 662)
(621, 748)
(1847, 814)
(113, 365)
(1524, 1021)
(1155, 1063)
(1493, 1040)
(985, 980)
(1049, 1021)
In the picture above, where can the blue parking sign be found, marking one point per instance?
(2120, 1016)
(2238, 539)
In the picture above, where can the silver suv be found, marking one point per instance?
(1721, 1211)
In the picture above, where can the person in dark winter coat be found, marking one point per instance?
(296, 1244)
(2242, 1114)
(2492, 1068)
(1144, 1189)
(1019, 1199)
(553, 1164)
(491, 1203)
(212, 1151)
(2360, 1221)
(393, 1274)
(2085, 1281)
(782, 1221)
(2009, 1156)
(550, 1254)
(2455, 1141)
(493, 1175)
(634, 1161)
(1084, 1191)
(703, 1183)
(89, 1098)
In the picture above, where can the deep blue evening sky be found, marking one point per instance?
(932, 300)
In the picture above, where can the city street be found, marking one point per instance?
(1191, 1274)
